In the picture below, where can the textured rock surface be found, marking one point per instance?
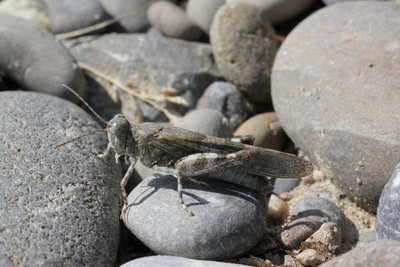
(70, 15)
(202, 12)
(34, 10)
(172, 21)
(151, 62)
(244, 47)
(171, 261)
(277, 11)
(339, 108)
(58, 206)
(227, 99)
(385, 253)
(228, 220)
(387, 224)
(35, 60)
(320, 210)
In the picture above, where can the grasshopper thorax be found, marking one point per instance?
(120, 136)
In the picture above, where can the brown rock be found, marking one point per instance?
(297, 231)
(266, 130)
(327, 239)
(309, 257)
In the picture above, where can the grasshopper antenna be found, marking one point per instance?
(87, 105)
(79, 137)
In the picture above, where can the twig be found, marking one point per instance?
(100, 25)
(127, 89)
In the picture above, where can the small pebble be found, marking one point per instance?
(320, 210)
(227, 99)
(172, 21)
(266, 130)
(208, 122)
(283, 185)
(318, 176)
(203, 11)
(297, 231)
(278, 210)
(387, 224)
(327, 239)
(309, 257)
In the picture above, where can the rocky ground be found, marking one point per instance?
(316, 81)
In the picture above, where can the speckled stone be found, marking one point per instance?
(228, 220)
(320, 210)
(172, 21)
(59, 206)
(35, 60)
(70, 15)
(387, 224)
(385, 253)
(244, 47)
(336, 71)
(171, 261)
(227, 99)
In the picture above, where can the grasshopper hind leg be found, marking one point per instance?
(177, 174)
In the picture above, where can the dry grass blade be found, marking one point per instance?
(128, 90)
(100, 25)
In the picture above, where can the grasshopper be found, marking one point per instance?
(187, 154)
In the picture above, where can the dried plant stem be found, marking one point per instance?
(100, 25)
(128, 90)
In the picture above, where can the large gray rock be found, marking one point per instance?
(59, 206)
(383, 253)
(334, 88)
(151, 62)
(244, 48)
(31, 56)
(387, 224)
(228, 220)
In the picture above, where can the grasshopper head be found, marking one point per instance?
(120, 135)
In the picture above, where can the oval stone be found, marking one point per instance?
(335, 86)
(59, 206)
(387, 224)
(228, 220)
(244, 47)
(31, 56)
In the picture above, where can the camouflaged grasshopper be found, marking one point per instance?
(185, 154)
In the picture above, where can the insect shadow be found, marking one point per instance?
(202, 183)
